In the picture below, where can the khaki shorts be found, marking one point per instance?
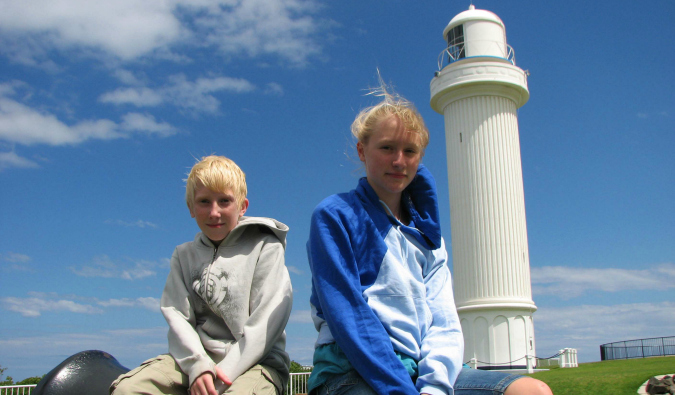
(162, 375)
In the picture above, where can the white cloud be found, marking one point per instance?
(127, 77)
(103, 266)
(139, 97)
(274, 89)
(17, 262)
(294, 269)
(146, 123)
(11, 159)
(35, 306)
(126, 28)
(40, 302)
(21, 124)
(197, 95)
(568, 282)
(148, 303)
(133, 224)
(45, 351)
(194, 95)
(15, 257)
(130, 29)
(283, 28)
(586, 327)
(301, 316)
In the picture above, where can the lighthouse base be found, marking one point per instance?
(498, 338)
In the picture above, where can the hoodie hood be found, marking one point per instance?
(278, 229)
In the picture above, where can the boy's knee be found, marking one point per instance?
(157, 375)
(259, 379)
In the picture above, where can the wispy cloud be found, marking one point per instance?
(11, 159)
(148, 303)
(132, 29)
(46, 350)
(569, 282)
(274, 89)
(194, 95)
(35, 306)
(586, 327)
(40, 302)
(645, 115)
(14, 257)
(16, 262)
(301, 316)
(132, 224)
(22, 124)
(294, 269)
(103, 266)
(137, 96)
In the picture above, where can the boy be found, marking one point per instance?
(227, 298)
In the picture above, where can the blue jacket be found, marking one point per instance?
(380, 287)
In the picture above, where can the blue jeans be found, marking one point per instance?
(483, 382)
(469, 382)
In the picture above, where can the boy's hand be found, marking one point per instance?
(203, 385)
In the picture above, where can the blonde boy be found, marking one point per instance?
(227, 298)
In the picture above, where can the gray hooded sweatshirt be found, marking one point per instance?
(229, 305)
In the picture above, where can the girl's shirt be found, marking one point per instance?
(382, 293)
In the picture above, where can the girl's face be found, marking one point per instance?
(391, 157)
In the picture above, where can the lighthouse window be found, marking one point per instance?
(456, 43)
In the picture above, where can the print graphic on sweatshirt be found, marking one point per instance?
(213, 287)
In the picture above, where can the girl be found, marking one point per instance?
(382, 297)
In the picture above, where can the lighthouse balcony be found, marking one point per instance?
(489, 49)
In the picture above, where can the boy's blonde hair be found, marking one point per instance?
(217, 173)
(391, 104)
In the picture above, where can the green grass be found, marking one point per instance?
(620, 377)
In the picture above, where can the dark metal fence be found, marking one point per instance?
(639, 348)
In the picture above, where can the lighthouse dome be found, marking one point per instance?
(476, 33)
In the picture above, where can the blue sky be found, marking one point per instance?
(104, 108)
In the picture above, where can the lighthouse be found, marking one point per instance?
(478, 90)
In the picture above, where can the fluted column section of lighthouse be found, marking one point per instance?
(489, 243)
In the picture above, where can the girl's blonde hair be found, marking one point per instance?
(391, 104)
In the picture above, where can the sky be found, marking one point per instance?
(104, 107)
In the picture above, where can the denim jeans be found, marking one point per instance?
(349, 383)
(469, 382)
(483, 382)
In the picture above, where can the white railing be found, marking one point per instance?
(297, 384)
(16, 389)
(447, 55)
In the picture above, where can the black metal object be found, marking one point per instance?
(639, 348)
(85, 373)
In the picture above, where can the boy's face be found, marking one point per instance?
(216, 213)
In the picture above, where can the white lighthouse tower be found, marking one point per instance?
(478, 89)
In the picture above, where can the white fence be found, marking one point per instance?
(17, 389)
(568, 358)
(297, 384)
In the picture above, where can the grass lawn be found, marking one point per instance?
(619, 377)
